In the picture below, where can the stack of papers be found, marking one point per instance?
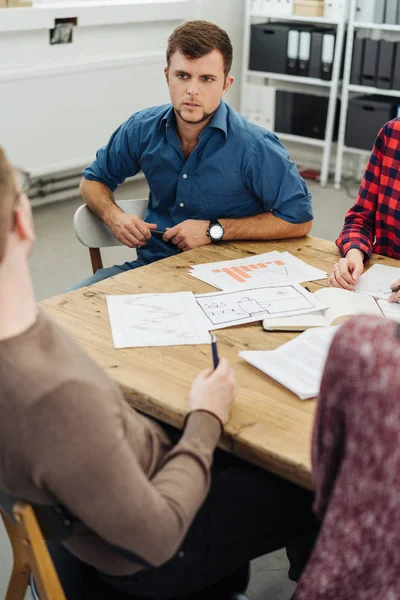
(298, 364)
(257, 271)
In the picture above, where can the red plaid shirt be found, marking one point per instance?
(373, 223)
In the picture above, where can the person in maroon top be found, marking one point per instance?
(373, 223)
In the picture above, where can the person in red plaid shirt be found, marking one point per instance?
(373, 223)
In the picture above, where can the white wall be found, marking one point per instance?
(60, 103)
(228, 14)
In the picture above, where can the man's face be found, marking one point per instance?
(196, 86)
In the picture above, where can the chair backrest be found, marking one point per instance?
(30, 552)
(92, 232)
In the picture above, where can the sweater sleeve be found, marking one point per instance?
(83, 458)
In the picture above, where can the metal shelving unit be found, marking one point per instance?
(348, 88)
(304, 84)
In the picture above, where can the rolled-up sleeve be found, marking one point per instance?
(117, 160)
(276, 181)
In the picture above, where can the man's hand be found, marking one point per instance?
(214, 391)
(189, 234)
(130, 230)
(395, 287)
(347, 270)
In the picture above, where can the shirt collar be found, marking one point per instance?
(218, 121)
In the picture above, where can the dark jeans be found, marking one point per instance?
(248, 512)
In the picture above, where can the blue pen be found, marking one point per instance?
(214, 350)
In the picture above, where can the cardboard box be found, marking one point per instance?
(3, 4)
(19, 3)
(309, 8)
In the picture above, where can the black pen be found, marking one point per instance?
(214, 350)
(158, 231)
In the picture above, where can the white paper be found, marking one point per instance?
(226, 309)
(298, 364)
(156, 320)
(391, 310)
(257, 271)
(377, 280)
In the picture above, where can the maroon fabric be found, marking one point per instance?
(356, 468)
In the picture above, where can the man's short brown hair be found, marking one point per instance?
(8, 199)
(195, 39)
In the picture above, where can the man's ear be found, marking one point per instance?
(166, 73)
(24, 223)
(228, 82)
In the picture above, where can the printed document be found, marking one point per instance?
(377, 280)
(225, 309)
(298, 364)
(257, 271)
(156, 320)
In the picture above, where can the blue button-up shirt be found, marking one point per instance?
(236, 170)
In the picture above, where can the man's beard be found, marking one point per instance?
(203, 118)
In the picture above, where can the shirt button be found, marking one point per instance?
(185, 176)
(181, 205)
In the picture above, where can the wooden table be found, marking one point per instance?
(270, 426)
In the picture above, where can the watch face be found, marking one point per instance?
(216, 232)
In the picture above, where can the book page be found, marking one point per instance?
(298, 364)
(343, 304)
(296, 323)
(391, 310)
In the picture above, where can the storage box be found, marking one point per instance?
(19, 3)
(268, 47)
(335, 9)
(309, 8)
(365, 116)
(3, 3)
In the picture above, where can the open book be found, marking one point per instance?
(342, 305)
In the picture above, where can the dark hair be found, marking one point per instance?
(8, 199)
(195, 39)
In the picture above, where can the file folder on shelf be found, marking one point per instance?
(386, 64)
(328, 50)
(370, 63)
(357, 61)
(304, 52)
(316, 54)
(292, 59)
(391, 11)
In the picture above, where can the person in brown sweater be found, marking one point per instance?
(152, 522)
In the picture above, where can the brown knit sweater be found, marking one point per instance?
(67, 435)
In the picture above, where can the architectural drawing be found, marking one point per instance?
(232, 308)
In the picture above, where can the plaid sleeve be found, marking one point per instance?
(359, 225)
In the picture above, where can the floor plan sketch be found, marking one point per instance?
(156, 320)
(224, 309)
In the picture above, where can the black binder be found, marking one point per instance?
(396, 68)
(357, 61)
(316, 54)
(370, 63)
(386, 64)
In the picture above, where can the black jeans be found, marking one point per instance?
(248, 513)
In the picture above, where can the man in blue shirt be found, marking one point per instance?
(213, 176)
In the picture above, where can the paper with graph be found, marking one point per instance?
(156, 320)
(298, 364)
(256, 271)
(225, 309)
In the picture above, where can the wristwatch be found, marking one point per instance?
(215, 231)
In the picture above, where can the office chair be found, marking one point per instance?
(92, 232)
